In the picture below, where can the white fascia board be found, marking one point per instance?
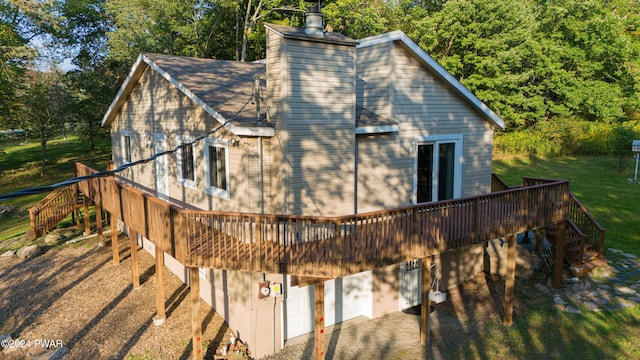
(362, 130)
(398, 35)
(125, 89)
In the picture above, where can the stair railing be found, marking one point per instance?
(47, 213)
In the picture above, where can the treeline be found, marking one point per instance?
(534, 62)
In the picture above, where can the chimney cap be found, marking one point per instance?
(313, 19)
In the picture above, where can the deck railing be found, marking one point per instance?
(45, 215)
(497, 184)
(326, 246)
(594, 233)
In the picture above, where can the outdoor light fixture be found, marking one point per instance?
(635, 147)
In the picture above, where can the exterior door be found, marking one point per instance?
(161, 167)
(410, 283)
(438, 170)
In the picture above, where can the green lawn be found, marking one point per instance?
(599, 184)
(20, 169)
(539, 332)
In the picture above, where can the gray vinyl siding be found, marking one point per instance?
(156, 106)
(423, 106)
(374, 79)
(318, 127)
(277, 168)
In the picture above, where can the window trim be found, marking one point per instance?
(209, 188)
(183, 139)
(456, 139)
(123, 147)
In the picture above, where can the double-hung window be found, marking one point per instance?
(186, 162)
(125, 138)
(216, 157)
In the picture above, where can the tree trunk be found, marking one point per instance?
(249, 24)
(43, 148)
(91, 140)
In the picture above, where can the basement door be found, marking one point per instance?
(161, 167)
(410, 284)
(345, 298)
(438, 168)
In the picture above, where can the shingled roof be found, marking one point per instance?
(222, 88)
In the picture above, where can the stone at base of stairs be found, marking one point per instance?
(580, 271)
(595, 263)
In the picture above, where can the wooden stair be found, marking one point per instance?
(592, 261)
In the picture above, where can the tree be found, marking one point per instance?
(595, 56)
(42, 107)
(90, 94)
(540, 59)
(489, 46)
(358, 18)
(199, 28)
(14, 54)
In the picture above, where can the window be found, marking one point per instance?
(126, 146)
(186, 162)
(438, 168)
(216, 157)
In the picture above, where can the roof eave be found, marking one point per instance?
(127, 86)
(382, 129)
(434, 66)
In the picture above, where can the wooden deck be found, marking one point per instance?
(326, 247)
(317, 248)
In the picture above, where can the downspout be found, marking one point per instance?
(260, 177)
(261, 200)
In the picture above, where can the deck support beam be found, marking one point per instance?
(196, 323)
(87, 216)
(160, 306)
(135, 271)
(510, 280)
(99, 225)
(318, 314)
(426, 303)
(560, 241)
(114, 240)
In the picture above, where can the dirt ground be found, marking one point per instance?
(75, 296)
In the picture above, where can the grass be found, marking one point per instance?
(600, 183)
(20, 169)
(539, 332)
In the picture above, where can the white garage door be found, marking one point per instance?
(345, 298)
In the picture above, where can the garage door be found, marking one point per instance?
(345, 298)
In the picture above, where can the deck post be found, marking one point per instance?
(160, 306)
(114, 240)
(426, 303)
(196, 323)
(99, 225)
(510, 280)
(87, 217)
(318, 315)
(560, 240)
(135, 271)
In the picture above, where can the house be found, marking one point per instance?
(324, 126)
